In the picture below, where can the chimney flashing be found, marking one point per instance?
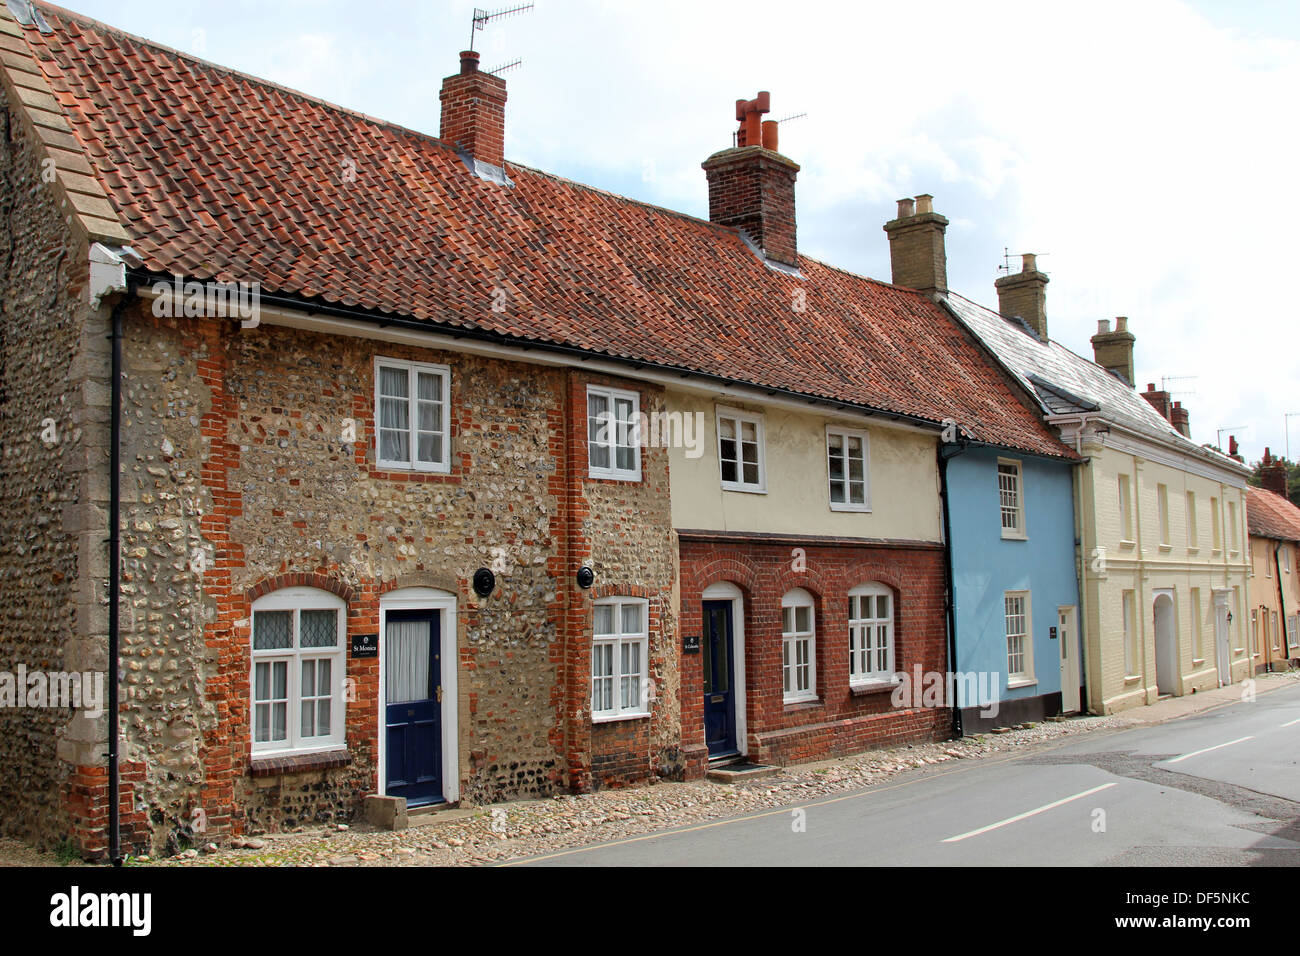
(473, 114)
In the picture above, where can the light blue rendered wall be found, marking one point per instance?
(984, 565)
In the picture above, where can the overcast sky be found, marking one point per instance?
(1146, 150)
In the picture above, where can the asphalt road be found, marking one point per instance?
(1217, 788)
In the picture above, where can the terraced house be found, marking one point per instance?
(430, 475)
(1274, 524)
(1159, 520)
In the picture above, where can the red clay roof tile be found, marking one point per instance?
(219, 175)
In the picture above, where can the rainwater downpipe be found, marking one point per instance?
(950, 605)
(115, 572)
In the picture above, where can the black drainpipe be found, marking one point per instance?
(950, 604)
(1281, 602)
(115, 571)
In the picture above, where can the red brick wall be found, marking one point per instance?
(838, 722)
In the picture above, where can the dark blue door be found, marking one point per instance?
(413, 687)
(719, 696)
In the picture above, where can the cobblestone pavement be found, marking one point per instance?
(502, 832)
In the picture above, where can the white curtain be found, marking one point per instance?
(406, 661)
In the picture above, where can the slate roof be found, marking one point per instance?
(1269, 515)
(1066, 383)
(218, 175)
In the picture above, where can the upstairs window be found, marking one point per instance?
(1162, 512)
(1125, 508)
(1011, 499)
(411, 410)
(740, 450)
(613, 434)
(1193, 535)
(846, 466)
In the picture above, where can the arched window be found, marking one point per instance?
(871, 634)
(798, 647)
(296, 676)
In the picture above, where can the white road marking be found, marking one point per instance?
(1029, 813)
(1292, 723)
(1197, 753)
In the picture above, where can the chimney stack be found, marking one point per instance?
(1272, 474)
(474, 112)
(1181, 420)
(1114, 350)
(1023, 295)
(751, 185)
(917, 258)
(1159, 400)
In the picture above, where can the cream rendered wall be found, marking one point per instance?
(1144, 564)
(903, 478)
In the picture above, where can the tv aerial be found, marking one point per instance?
(483, 17)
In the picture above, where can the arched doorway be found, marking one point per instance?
(1166, 635)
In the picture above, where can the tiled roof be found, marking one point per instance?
(1068, 384)
(215, 174)
(1269, 515)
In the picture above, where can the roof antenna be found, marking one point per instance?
(1007, 257)
(504, 68)
(482, 17)
(1165, 381)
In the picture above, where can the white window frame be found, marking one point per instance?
(611, 433)
(1162, 514)
(1275, 630)
(1286, 558)
(1293, 630)
(739, 417)
(1234, 538)
(296, 600)
(1198, 640)
(1254, 630)
(1125, 496)
(1019, 532)
(844, 434)
(1024, 676)
(1128, 610)
(1216, 520)
(1193, 533)
(442, 466)
(616, 640)
(864, 632)
(790, 640)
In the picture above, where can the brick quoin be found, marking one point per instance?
(839, 722)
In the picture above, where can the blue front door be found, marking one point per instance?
(413, 692)
(719, 695)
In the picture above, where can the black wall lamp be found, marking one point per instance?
(586, 577)
(484, 582)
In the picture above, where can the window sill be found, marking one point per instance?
(1216, 551)
(852, 509)
(867, 688)
(1132, 678)
(744, 490)
(618, 718)
(1009, 536)
(1164, 548)
(1193, 550)
(1023, 682)
(1198, 661)
(1126, 543)
(801, 703)
(405, 468)
(620, 477)
(274, 765)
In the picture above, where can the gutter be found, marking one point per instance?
(950, 602)
(146, 279)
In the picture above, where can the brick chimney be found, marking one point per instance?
(1114, 350)
(917, 258)
(751, 185)
(474, 112)
(1272, 474)
(1181, 420)
(1023, 295)
(1159, 400)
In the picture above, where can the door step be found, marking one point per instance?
(740, 772)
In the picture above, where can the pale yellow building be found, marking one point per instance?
(1273, 640)
(1161, 521)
